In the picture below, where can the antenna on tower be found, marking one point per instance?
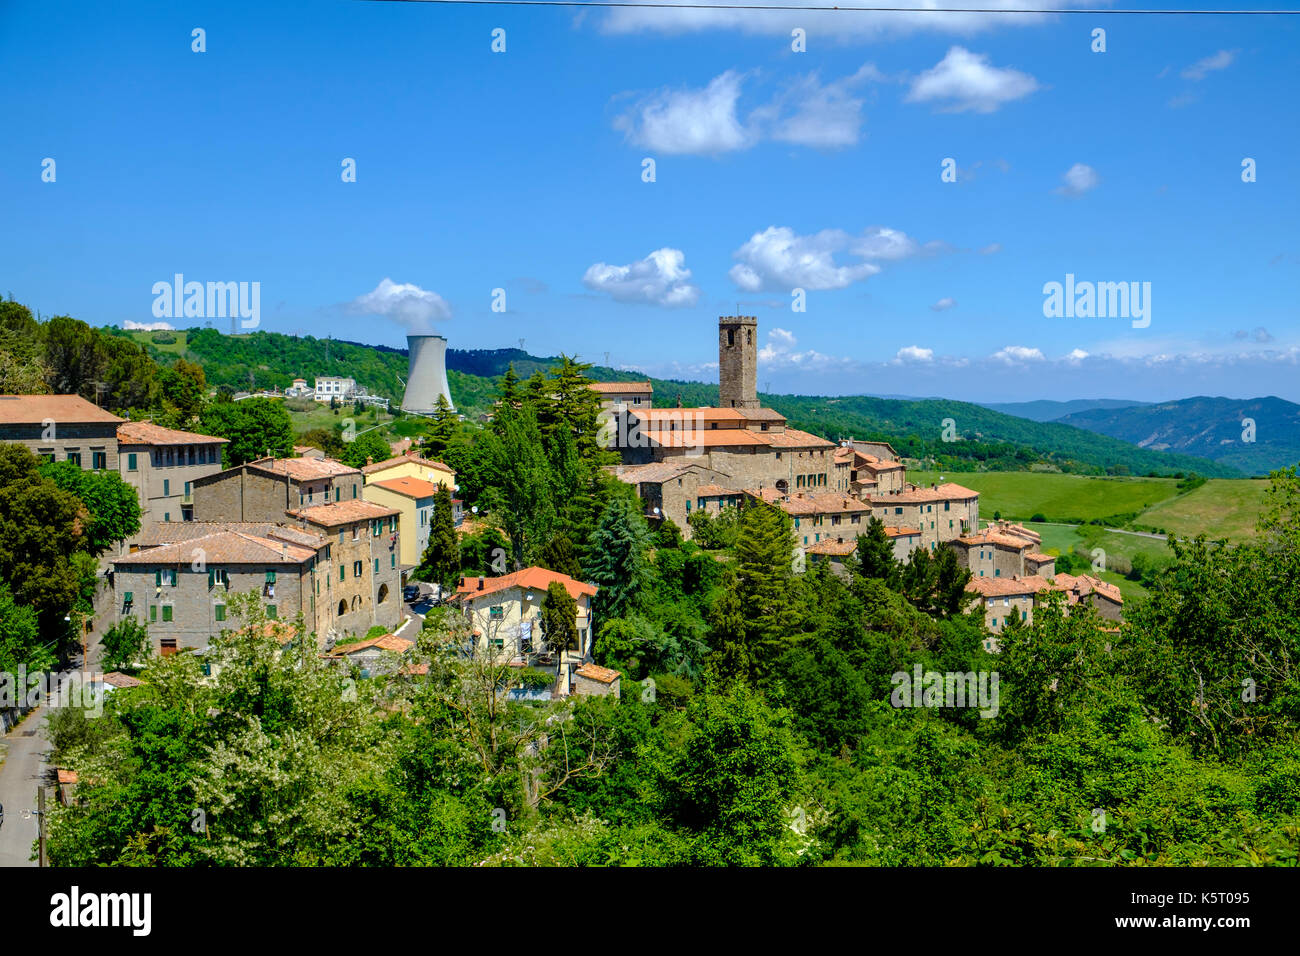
(606, 360)
(521, 345)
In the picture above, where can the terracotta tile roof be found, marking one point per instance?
(715, 491)
(222, 547)
(837, 547)
(1013, 586)
(171, 532)
(706, 438)
(1084, 584)
(656, 472)
(844, 455)
(902, 532)
(629, 387)
(771, 495)
(121, 681)
(35, 409)
(404, 459)
(1038, 557)
(597, 673)
(995, 538)
(794, 438)
(761, 414)
(304, 469)
(385, 642)
(688, 416)
(342, 512)
(945, 492)
(147, 433)
(411, 487)
(823, 503)
(538, 579)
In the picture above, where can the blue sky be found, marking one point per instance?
(775, 170)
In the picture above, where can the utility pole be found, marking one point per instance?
(40, 824)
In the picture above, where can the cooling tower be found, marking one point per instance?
(426, 376)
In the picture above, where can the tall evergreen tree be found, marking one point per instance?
(521, 484)
(559, 618)
(876, 554)
(618, 561)
(558, 555)
(443, 429)
(765, 583)
(441, 560)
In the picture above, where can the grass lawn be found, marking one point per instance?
(1066, 498)
(322, 416)
(1222, 508)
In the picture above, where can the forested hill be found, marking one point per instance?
(1046, 410)
(987, 438)
(1214, 428)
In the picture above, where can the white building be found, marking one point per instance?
(332, 386)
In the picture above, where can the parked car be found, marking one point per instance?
(411, 593)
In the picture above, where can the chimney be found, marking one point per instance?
(480, 584)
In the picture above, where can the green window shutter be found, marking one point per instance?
(392, 559)
(130, 462)
(270, 577)
(167, 612)
(221, 612)
(341, 573)
(157, 578)
(376, 565)
(271, 612)
(212, 578)
(153, 612)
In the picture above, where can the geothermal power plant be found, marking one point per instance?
(426, 375)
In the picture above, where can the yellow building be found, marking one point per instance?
(411, 466)
(413, 499)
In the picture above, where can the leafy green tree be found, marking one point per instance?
(42, 529)
(441, 560)
(112, 504)
(184, 386)
(256, 428)
(486, 553)
(618, 561)
(520, 490)
(23, 369)
(107, 370)
(328, 440)
(559, 555)
(126, 644)
(367, 448)
(559, 618)
(20, 643)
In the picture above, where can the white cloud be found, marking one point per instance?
(661, 278)
(690, 121)
(134, 326)
(913, 353)
(1013, 354)
(708, 121)
(781, 354)
(822, 26)
(1203, 68)
(1078, 179)
(964, 81)
(1075, 357)
(943, 304)
(413, 307)
(993, 248)
(777, 259)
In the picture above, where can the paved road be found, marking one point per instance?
(23, 765)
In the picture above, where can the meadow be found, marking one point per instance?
(1069, 499)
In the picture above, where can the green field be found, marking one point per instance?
(322, 416)
(1220, 508)
(1070, 499)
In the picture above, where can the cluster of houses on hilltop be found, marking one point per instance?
(310, 535)
(685, 460)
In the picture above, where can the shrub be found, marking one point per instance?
(1038, 516)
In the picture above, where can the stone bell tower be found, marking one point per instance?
(737, 361)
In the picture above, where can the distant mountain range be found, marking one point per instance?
(1045, 410)
(1211, 428)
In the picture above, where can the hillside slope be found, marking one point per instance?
(1209, 428)
(1046, 410)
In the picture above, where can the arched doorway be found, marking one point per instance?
(343, 608)
(383, 593)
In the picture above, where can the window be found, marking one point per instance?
(165, 576)
(496, 612)
(356, 569)
(167, 516)
(98, 460)
(153, 613)
(270, 577)
(342, 573)
(167, 487)
(340, 535)
(688, 505)
(126, 601)
(272, 613)
(219, 611)
(354, 490)
(392, 560)
(75, 458)
(167, 612)
(356, 531)
(945, 506)
(376, 565)
(898, 511)
(337, 492)
(379, 527)
(218, 577)
(997, 572)
(188, 488)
